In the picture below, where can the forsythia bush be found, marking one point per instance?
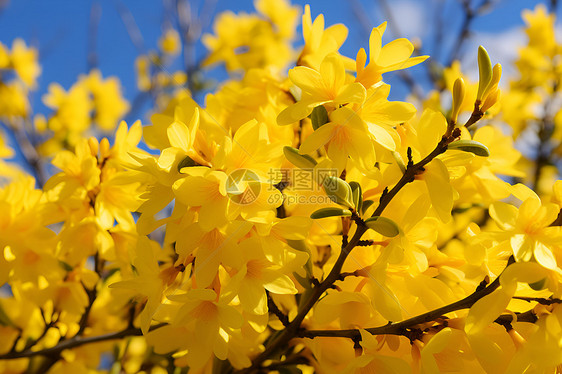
(298, 222)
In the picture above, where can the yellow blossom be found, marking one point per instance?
(382, 59)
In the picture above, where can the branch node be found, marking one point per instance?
(410, 159)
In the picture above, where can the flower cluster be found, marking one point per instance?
(89, 101)
(297, 222)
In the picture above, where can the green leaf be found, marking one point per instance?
(185, 163)
(357, 195)
(293, 369)
(366, 205)
(295, 158)
(471, 146)
(537, 286)
(221, 366)
(382, 225)
(338, 190)
(65, 265)
(319, 117)
(4, 318)
(330, 212)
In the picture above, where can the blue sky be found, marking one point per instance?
(59, 28)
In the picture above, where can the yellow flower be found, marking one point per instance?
(372, 360)
(170, 42)
(540, 29)
(528, 228)
(109, 104)
(72, 110)
(205, 189)
(256, 274)
(203, 325)
(329, 85)
(423, 137)
(142, 68)
(346, 135)
(13, 100)
(319, 43)
(450, 75)
(24, 62)
(5, 150)
(116, 199)
(479, 180)
(543, 348)
(382, 59)
(351, 308)
(245, 41)
(147, 283)
(282, 14)
(382, 115)
(4, 57)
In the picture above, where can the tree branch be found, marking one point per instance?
(401, 328)
(77, 341)
(293, 329)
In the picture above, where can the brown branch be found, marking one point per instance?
(404, 327)
(540, 300)
(412, 171)
(544, 148)
(293, 329)
(28, 150)
(92, 295)
(505, 319)
(475, 116)
(528, 316)
(469, 16)
(77, 341)
(95, 15)
(131, 26)
(273, 308)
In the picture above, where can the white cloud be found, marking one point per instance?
(503, 47)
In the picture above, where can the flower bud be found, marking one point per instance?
(104, 148)
(94, 146)
(458, 97)
(484, 70)
(490, 100)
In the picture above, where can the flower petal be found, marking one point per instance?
(396, 51)
(318, 138)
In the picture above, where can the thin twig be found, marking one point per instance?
(469, 15)
(77, 341)
(131, 26)
(273, 308)
(544, 148)
(293, 329)
(28, 150)
(95, 15)
(401, 328)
